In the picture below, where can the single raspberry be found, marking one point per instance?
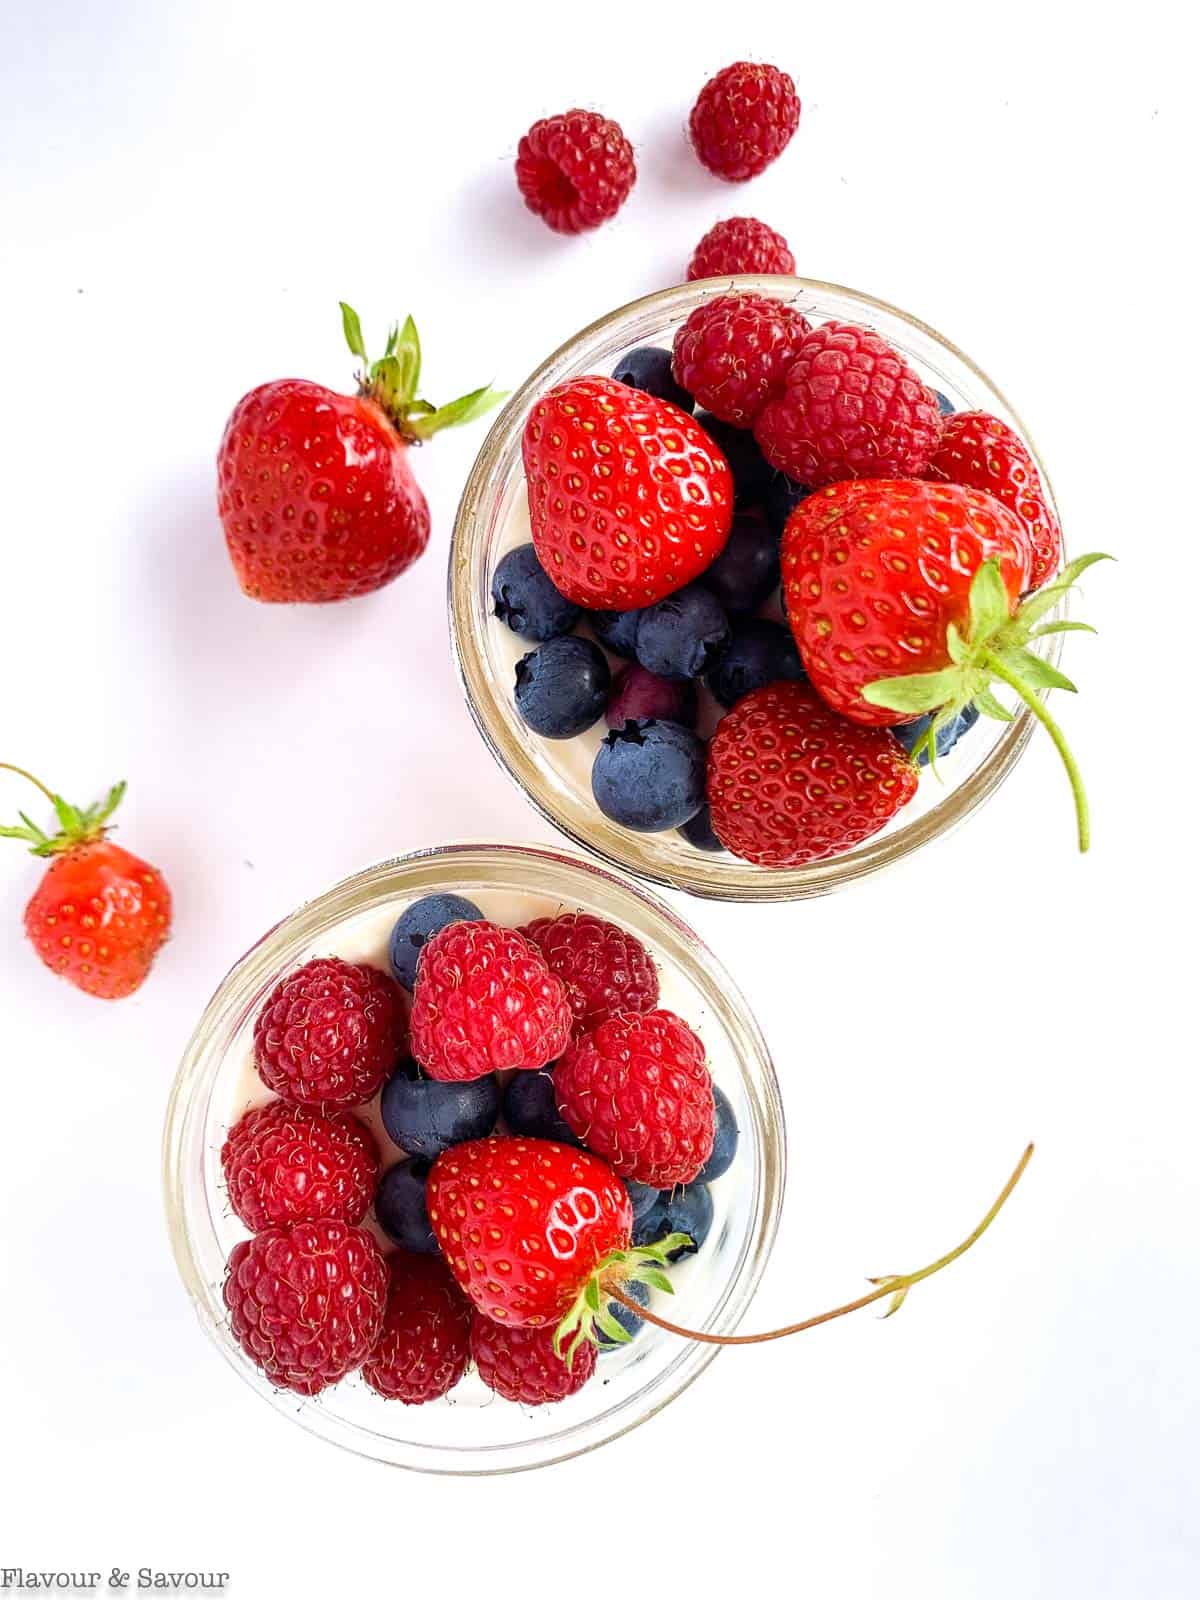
(743, 118)
(485, 1000)
(734, 353)
(306, 1301)
(520, 1363)
(638, 1092)
(425, 1344)
(741, 244)
(575, 170)
(329, 1033)
(603, 969)
(790, 781)
(287, 1163)
(851, 407)
(981, 452)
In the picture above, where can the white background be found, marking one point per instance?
(188, 190)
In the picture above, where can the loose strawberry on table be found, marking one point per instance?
(100, 915)
(315, 488)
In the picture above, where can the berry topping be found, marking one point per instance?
(418, 923)
(746, 573)
(743, 119)
(531, 1108)
(649, 775)
(287, 1163)
(760, 652)
(575, 170)
(401, 1207)
(425, 1117)
(561, 688)
(649, 369)
(741, 244)
(424, 1348)
(603, 969)
(522, 1364)
(734, 352)
(616, 630)
(914, 736)
(725, 1142)
(329, 1033)
(751, 470)
(698, 831)
(526, 600)
(681, 637)
(637, 693)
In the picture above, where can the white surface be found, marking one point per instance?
(188, 190)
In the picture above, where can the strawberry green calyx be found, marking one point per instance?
(996, 648)
(76, 825)
(392, 382)
(589, 1316)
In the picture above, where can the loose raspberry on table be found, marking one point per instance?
(285, 1163)
(424, 1348)
(575, 170)
(741, 244)
(329, 1033)
(734, 352)
(743, 119)
(603, 969)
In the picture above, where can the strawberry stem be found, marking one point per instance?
(37, 783)
(896, 1285)
(76, 825)
(1034, 702)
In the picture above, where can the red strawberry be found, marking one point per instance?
(424, 1348)
(287, 1163)
(484, 1001)
(329, 1033)
(628, 497)
(100, 915)
(315, 491)
(306, 1302)
(638, 1092)
(522, 1364)
(851, 407)
(603, 969)
(743, 119)
(575, 170)
(741, 244)
(984, 453)
(903, 597)
(791, 782)
(734, 352)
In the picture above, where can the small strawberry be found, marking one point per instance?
(851, 407)
(287, 1163)
(575, 170)
(424, 1348)
(741, 244)
(306, 1302)
(100, 915)
(314, 488)
(982, 452)
(603, 969)
(734, 353)
(791, 782)
(522, 1364)
(637, 1091)
(485, 1001)
(904, 598)
(629, 499)
(743, 119)
(329, 1033)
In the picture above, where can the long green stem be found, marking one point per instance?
(37, 783)
(898, 1285)
(1034, 702)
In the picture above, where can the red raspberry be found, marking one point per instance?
(733, 353)
(520, 1363)
(790, 781)
(425, 1344)
(851, 407)
(287, 1163)
(484, 1001)
(575, 170)
(638, 1092)
(743, 118)
(329, 1033)
(603, 969)
(306, 1302)
(741, 244)
(981, 452)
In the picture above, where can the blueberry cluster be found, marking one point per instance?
(681, 663)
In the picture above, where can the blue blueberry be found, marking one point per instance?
(425, 1117)
(562, 687)
(698, 831)
(418, 923)
(688, 1211)
(751, 471)
(747, 570)
(652, 1224)
(682, 636)
(400, 1207)
(780, 499)
(616, 630)
(530, 1108)
(629, 1320)
(945, 405)
(911, 733)
(649, 369)
(649, 775)
(525, 599)
(641, 1196)
(760, 652)
(725, 1140)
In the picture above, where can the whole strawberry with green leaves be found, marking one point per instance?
(316, 490)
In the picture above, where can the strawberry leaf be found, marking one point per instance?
(988, 601)
(989, 706)
(407, 349)
(352, 328)
(916, 693)
(1034, 670)
(453, 415)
